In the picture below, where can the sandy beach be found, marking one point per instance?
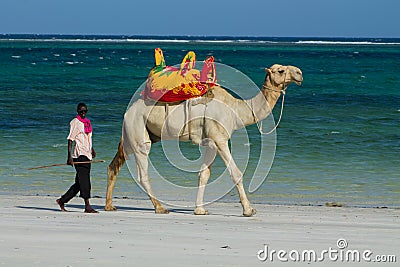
(35, 233)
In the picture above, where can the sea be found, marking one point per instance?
(338, 142)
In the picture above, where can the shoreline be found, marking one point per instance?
(36, 233)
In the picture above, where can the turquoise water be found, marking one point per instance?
(339, 140)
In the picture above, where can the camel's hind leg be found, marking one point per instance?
(236, 176)
(113, 170)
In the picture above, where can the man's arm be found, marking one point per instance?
(93, 153)
(69, 157)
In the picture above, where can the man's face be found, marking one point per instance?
(82, 112)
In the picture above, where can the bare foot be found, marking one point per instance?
(61, 205)
(90, 210)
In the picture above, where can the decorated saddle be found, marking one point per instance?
(174, 84)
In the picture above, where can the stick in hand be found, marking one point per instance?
(62, 164)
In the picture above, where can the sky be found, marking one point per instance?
(262, 18)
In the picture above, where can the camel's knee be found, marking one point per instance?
(237, 177)
(112, 174)
(143, 148)
(115, 166)
(204, 175)
(112, 171)
(145, 181)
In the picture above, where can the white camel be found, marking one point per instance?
(211, 124)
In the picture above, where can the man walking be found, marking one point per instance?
(81, 135)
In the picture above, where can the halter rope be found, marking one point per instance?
(259, 123)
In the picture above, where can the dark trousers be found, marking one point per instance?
(82, 181)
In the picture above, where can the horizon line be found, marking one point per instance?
(199, 36)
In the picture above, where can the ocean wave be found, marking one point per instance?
(214, 41)
(202, 39)
(344, 43)
(80, 40)
(128, 40)
(59, 145)
(151, 40)
(73, 62)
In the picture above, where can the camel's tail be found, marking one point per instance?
(118, 161)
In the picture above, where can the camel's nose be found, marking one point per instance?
(299, 77)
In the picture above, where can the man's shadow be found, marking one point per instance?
(101, 208)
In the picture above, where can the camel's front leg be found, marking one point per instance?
(204, 175)
(236, 176)
(113, 170)
(141, 156)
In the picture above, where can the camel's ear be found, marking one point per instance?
(268, 71)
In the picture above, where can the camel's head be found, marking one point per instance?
(284, 75)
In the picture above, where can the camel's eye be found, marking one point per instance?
(281, 71)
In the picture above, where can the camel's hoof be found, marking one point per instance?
(200, 211)
(162, 211)
(249, 213)
(110, 208)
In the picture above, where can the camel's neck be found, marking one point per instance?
(256, 109)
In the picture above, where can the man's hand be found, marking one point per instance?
(93, 153)
(70, 161)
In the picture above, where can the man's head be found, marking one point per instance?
(82, 110)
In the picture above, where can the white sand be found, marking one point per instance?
(35, 233)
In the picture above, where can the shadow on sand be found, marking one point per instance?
(101, 208)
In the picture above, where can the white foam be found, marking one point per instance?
(155, 40)
(59, 145)
(343, 43)
(214, 41)
(72, 62)
(193, 40)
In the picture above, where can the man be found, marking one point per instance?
(81, 134)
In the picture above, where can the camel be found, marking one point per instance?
(211, 124)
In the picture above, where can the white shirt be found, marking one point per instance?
(83, 141)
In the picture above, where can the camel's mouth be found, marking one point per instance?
(298, 77)
(298, 80)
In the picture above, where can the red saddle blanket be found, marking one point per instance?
(173, 84)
